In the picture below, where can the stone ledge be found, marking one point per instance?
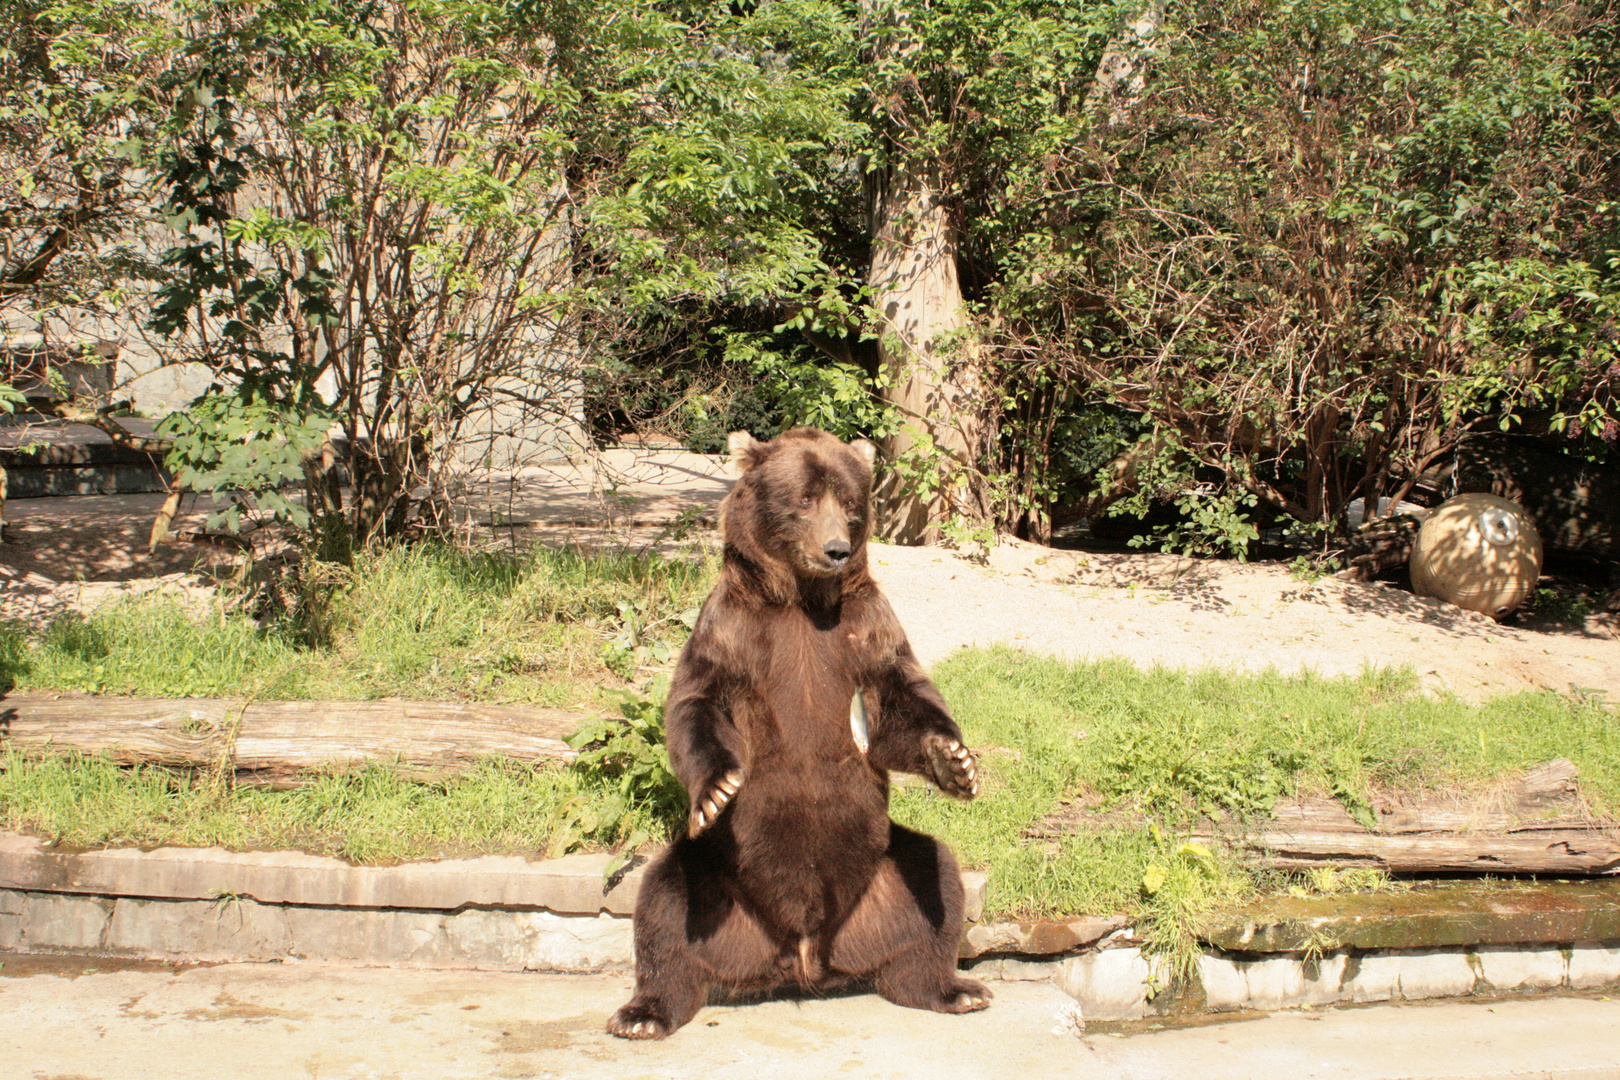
(243, 930)
(512, 913)
(1446, 917)
(571, 885)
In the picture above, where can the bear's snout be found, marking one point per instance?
(837, 551)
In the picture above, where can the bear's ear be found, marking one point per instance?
(745, 451)
(867, 451)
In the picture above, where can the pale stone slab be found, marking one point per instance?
(1593, 966)
(1028, 970)
(70, 923)
(1324, 981)
(226, 929)
(572, 884)
(975, 883)
(1275, 983)
(542, 941)
(1372, 978)
(1225, 987)
(1523, 969)
(245, 930)
(1110, 985)
(399, 937)
(1436, 974)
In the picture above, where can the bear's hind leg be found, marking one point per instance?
(671, 985)
(911, 981)
(689, 934)
(906, 930)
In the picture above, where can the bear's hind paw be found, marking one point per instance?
(952, 766)
(638, 1022)
(965, 996)
(707, 807)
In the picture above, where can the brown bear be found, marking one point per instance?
(795, 697)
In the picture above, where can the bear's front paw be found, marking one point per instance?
(707, 804)
(952, 766)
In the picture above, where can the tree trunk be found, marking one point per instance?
(926, 358)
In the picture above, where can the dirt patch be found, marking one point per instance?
(1189, 613)
(79, 552)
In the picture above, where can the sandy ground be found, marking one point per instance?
(1189, 613)
(1151, 609)
(300, 1021)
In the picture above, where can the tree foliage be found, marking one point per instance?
(1330, 238)
(1283, 254)
(77, 84)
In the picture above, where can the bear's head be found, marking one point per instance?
(803, 502)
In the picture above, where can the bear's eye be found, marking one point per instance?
(849, 506)
(805, 501)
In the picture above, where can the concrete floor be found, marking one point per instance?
(70, 1018)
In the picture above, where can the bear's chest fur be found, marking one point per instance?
(813, 814)
(801, 689)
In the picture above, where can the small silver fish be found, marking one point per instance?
(857, 721)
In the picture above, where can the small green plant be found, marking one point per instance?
(1308, 568)
(244, 448)
(1562, 604)
(1317, 945)
(10, 398)
(1181, 885)
(634, 644)
(1215, 521)
(679, 528)
(228, 901)
(971, 537)
(1331, 881)
(616, 505)
(632, 795)
(1347, 779)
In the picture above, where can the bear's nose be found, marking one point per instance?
(837, 551)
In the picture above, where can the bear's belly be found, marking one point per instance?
(810, 854)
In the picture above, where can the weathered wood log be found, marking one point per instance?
(186, 732)
(1562, 852)
(275, 742)
(1536, 826)
(1545, 797)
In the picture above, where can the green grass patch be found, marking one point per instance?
(367, 815)
(428, 621)
(1177, 744)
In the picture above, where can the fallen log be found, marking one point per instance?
(1538, 825)
(1543, 852)
(280, 742)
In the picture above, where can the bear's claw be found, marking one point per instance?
(952, 766)
(707, 807)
